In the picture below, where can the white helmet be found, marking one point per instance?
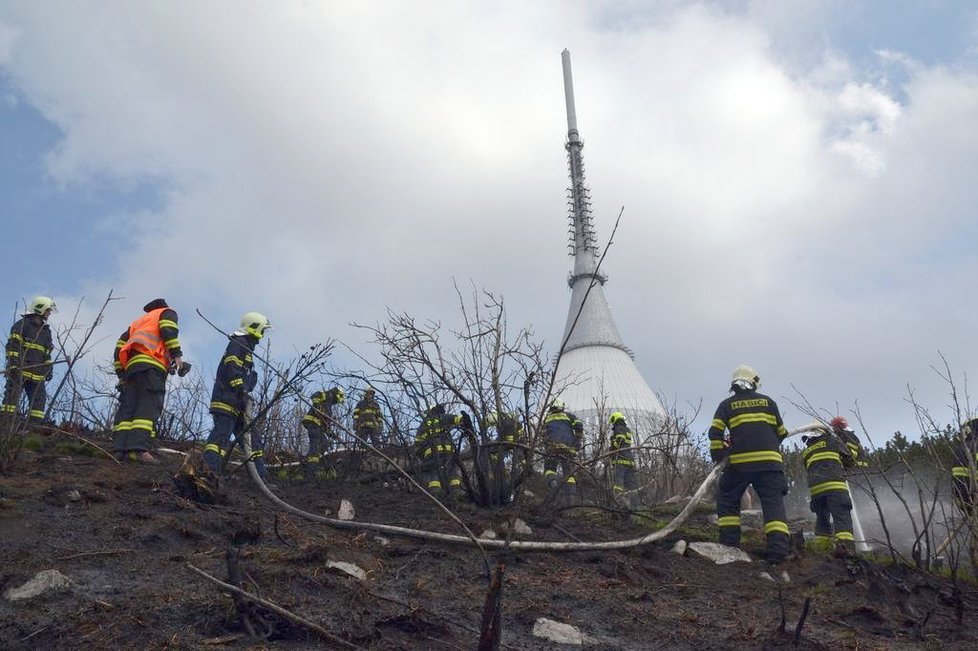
(255, 323)
(43, 306)
(557, 405)
(746, 377)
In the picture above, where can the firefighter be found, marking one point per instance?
(144, 354)
(826, 458)
(754, 455)
(840, 427)
(29, 364)
(231, 397)
(964, 478)
(318, 422)
(564, 435)
(368, 421)
(435, 447)
(508, 431)
(623, 461)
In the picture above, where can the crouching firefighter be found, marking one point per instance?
(434, 445)
(564, 434)
(826, 458)
(754, 454)
(231, 398)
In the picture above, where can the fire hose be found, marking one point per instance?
(524, 545)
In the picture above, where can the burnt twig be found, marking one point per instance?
(264, 603)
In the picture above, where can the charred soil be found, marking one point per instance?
(126, 541)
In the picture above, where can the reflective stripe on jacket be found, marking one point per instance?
(563, 429)
(236, 376)
(29, 347)
(756, 432)
(826, 458)
(621, 438)
(150, 340)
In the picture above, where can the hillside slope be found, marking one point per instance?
(125, 539)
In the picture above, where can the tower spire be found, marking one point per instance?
(583, 244)
(595, 326)
(596, 371)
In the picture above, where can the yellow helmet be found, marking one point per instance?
(746, 373)
(557, 405)
(43, 306)
(615, 417)
(255, 323)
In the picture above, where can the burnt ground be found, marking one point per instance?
(124, 537)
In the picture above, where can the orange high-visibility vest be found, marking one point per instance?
(145, 339)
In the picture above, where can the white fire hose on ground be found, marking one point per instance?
(492, 543)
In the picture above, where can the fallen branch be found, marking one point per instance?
(275, 608)
(85, 440)
(99, 553)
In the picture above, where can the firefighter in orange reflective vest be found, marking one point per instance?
(231, 397)
(29, 362)
(754, 454)
(144, 354)
(826, 458)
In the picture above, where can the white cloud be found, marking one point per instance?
(324, 161)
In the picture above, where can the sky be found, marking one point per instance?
(796, 177)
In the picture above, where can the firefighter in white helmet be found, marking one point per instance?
(753, 450)
(29, 361)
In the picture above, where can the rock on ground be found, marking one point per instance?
(719, 554)
(346, 511)
(347, 568)
(557, 632)
(45, 581)
(680, 547)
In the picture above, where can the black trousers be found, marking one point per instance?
(317, 442)
(219, 442)
(140, 405)
(833, 515)
(438, 467)
(771, 487)
(36, 397)
(624, 477)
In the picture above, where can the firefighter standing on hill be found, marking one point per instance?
(231, 397)
(29, 362)
(564, 434)
(964, 476)
(144, 354)
(318, 422)
(368, 423)
(826, 458)
(754, 453)
(623, 463)
(437, 452)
